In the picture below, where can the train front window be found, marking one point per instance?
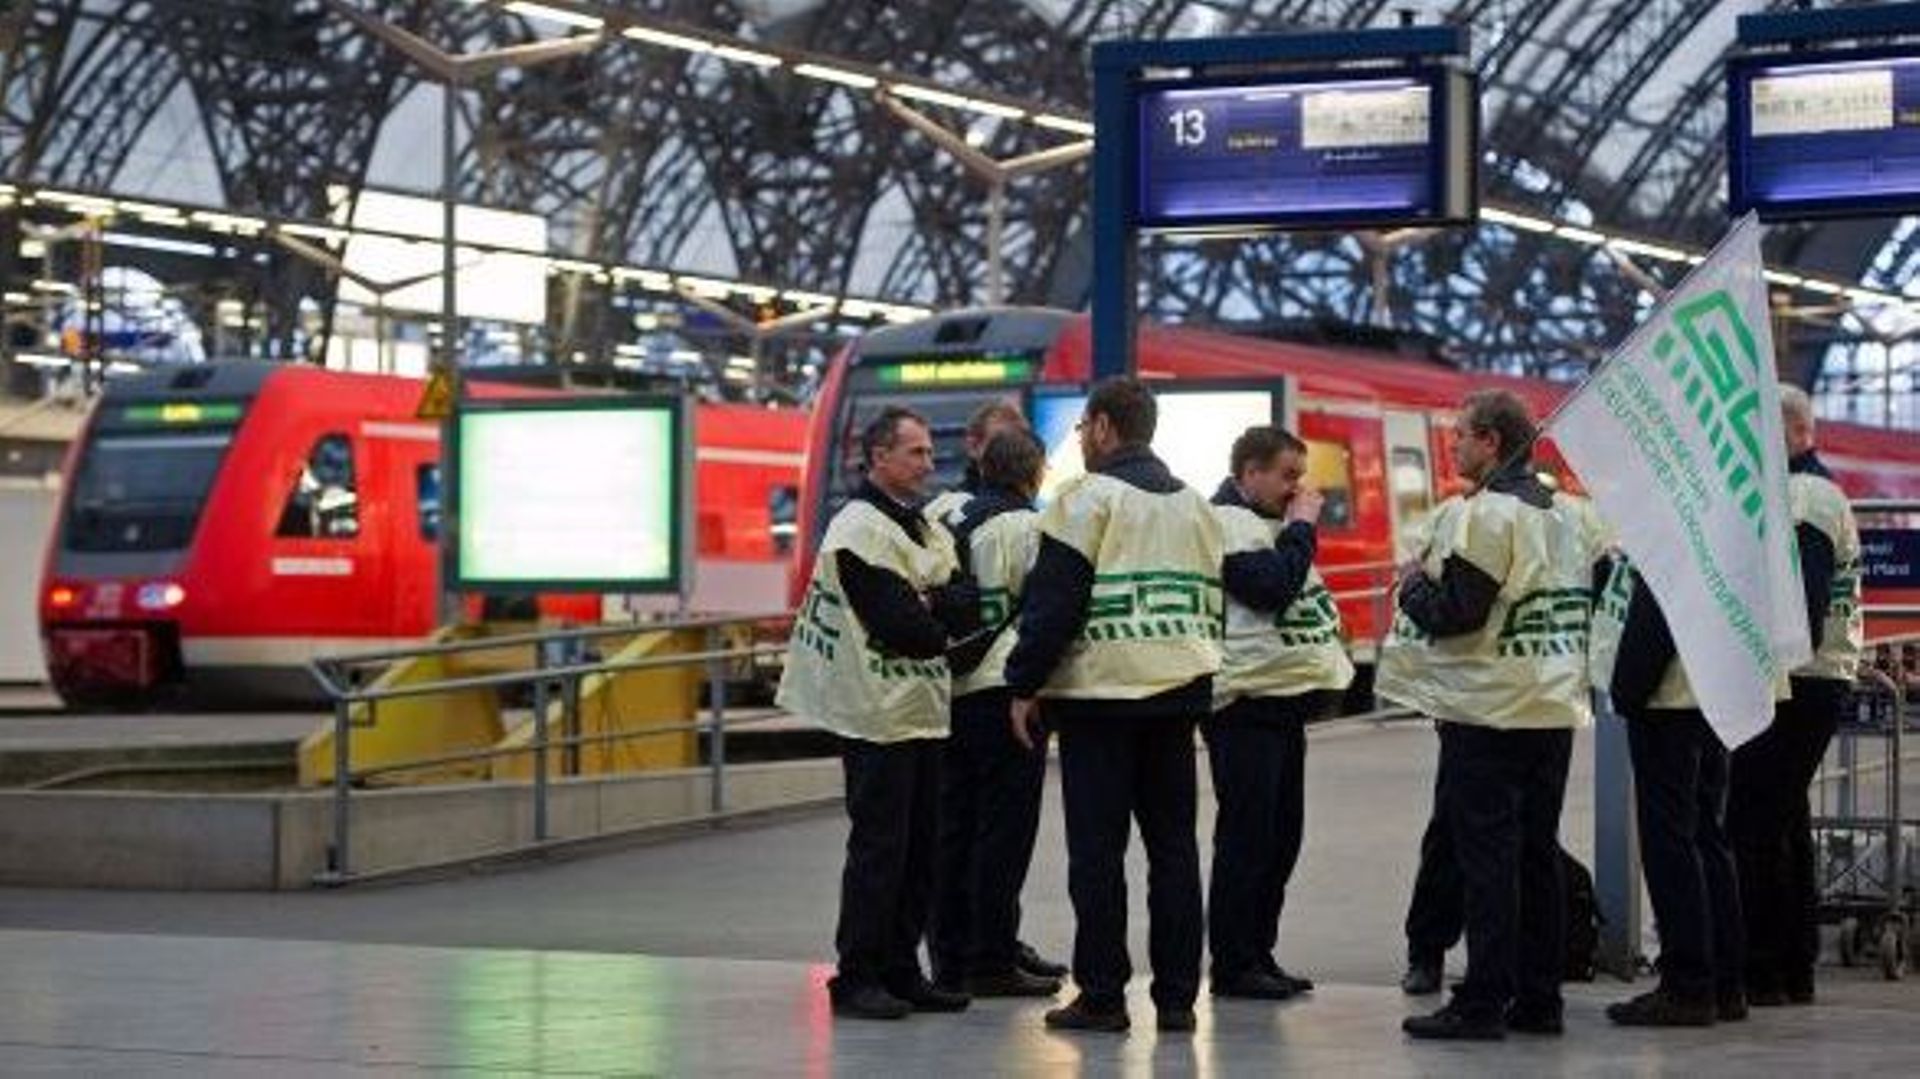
(142, 492)
(947, 415)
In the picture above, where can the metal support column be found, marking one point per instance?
(1616, 844)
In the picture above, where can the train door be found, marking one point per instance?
(1410, 476)
(407, 457)
(1346, 462)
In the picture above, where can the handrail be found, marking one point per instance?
(566, 674)
(511, 640)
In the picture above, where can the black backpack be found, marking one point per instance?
(1583, 921)
(966, 654)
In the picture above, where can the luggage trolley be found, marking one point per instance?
(1865, 880)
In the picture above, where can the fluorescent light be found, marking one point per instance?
(705, 286)
(154, 243)
(17, 297)
(220, 222)
(671, 41)
(1652, 251)
(1812, 284)
(42, 359)
(317, 232)
(1579, 235)
(647, 279)
(1063, 123)
(808, 299)
(744, 363)
(45, 285)
(953, 100)
(78, 203)
(569, 18)
(747, 56)
(1780, 277)
(834, 74)
(573, 266)
(1515, 221)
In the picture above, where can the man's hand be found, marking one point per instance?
(1025, 716)
(1305, 505)
(1407, 571)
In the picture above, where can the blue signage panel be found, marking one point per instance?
(1890, 557)
(1391, 147)
(1824, 134)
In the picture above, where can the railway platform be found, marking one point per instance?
(708, 954)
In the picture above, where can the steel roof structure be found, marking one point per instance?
(1603, 112)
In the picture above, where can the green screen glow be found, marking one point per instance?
(566, 495)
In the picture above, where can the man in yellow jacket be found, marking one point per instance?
(1490, 640)
(1120, 633)
(868, 662)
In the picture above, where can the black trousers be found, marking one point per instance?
(1770, 822)
(893, 794)
(1503, 791)
(1116, 769)
(1257, 750)
(990, 787)
(1680, 802)
(1437, 913)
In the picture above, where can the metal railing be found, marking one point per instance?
(562, 662)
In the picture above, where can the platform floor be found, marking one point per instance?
(707, 955)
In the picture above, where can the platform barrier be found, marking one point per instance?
(603, 701)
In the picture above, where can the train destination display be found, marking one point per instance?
(1834, 134)
(1303, 151)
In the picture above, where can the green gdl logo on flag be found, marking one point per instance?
(1719, 372)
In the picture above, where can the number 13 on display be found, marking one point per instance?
(1189, 127)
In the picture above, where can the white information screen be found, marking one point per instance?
(1194, 434)
(561, 497)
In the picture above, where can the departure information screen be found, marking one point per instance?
(1300, 152)
(1831, 135)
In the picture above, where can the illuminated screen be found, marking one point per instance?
(582, 497)
(1194, 435)
(1826, 134)
(1301, 151)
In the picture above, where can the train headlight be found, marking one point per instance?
(160, 596)
(61, 597)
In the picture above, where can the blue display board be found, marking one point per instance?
(1307, 150)
(1834, 133)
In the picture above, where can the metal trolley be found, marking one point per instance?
(1866, 884)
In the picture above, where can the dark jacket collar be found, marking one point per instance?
(907, 517)
(1517, 478)
(1136, 466)
(1809, 462)
(1230, 494)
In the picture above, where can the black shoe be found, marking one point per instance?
(1300, 985)
(1080, 1016)
(1254, 985)
(1730, 1005)
(1799, 988)
(1025, 958)
(1546, 1017)
(1422, 977)
(1662, 1008)
(1012, 982)
(868, 1002)
(1457, 1023)
(1175, 1020)
(924, 996)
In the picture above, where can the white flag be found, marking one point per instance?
(1678, 439)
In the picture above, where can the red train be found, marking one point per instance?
(1378, 425)
(223, 524)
